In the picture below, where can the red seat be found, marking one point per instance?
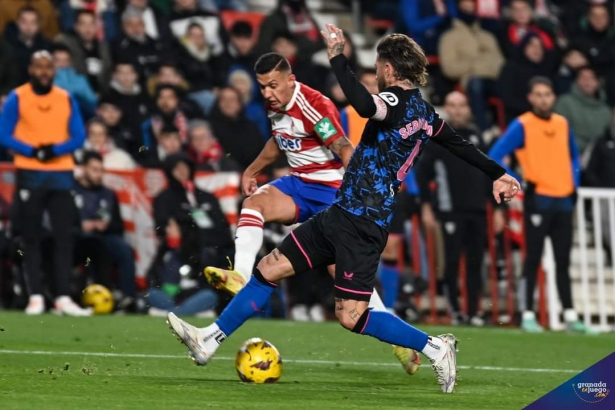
(378, 24)
(230, 17)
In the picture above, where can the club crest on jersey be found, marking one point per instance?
(288, 144)
(325, 129)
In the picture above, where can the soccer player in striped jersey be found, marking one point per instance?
(306, 127)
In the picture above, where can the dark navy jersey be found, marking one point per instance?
(386, 153)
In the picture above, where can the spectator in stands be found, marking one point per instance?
(104, 12)
(572, 61)
(187, 12)
(192, 230)
(205, 150)
(134, 46)
(352, 122)
(156, 24)
(9, 74)
(24, 36)
(239, 137)
(426, 20)
(126, 92)
(333, 90)
(597, 39)
(99, 141)
(472, 56)
(291, 16)
(76, 84)
(111, 115)
(102, 230)
(551, 170)
(241, 47)
(243, 82)
(168, 113)
(90, 57)
(167, 143)
(203, 71)
(10, 11)
(168, 74)
(585, 108)
(521, 23)
(461, 209)
(526, 64)
(43, 141)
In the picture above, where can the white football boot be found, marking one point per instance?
(36, 305)
(445, 366)
(64, 305)
(195, 339)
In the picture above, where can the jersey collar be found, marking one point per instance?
(293, 98)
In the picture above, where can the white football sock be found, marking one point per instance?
(434, 348)
(375, 302)
(248, 241)
(212, 337)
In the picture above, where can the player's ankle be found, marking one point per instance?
(212, 337)
(434, 348)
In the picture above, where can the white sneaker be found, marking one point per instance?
(64, 305)
(445, 367)
(36, 305)
(477, 321)
(317, 314)
(300, 313)
(193, 338)
(155, 312)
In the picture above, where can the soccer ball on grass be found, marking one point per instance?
(99, 298)
(258, 361)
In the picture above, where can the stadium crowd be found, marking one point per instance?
(168, 84)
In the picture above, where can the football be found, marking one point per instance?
(258, 361)
(99, 298)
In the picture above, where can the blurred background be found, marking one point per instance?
(161, 83)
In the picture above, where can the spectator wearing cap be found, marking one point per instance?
(572, 61)
(291, 16)
(126, 92)
(597, 39)
(585, 108)
(203, 70)
(239, 137)
(527, 63)
(242, 46)
(521, 23)
(111, 115)
(10, 11)
(73, 82)
(24, 37)
(98, 140)
(472, 56)
(90, 56)
(243, 82)
(426, 20)
(205, 150)
(187, 12)
(136, 47)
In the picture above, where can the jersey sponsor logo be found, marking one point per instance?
(415, 126)
(325, 129)
(390, 98)
(288, 144)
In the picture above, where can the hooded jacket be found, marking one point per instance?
(589, 117)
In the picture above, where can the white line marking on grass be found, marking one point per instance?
(300, 361)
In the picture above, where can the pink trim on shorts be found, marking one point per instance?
(301, 249)
(353, 291)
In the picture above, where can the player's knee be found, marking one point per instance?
(349, 318)
(254, 203)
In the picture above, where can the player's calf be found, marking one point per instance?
(352, 314)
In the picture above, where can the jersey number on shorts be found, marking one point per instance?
(403, 171)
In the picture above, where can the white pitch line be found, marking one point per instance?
(301, 361)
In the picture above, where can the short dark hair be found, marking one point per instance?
(193, 25)
(61, 48)
(242, 28)
(161, 87)
(270, 62)
(539, 80)
(406, 56)
(584, 68)
(84, 12)
(91, 156)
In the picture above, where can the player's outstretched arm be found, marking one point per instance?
(343, 148)
(356, 93)
(270, 153)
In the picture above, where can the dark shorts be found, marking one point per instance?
(334, 236)
(404, 208)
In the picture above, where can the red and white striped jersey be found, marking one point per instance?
(304, 129)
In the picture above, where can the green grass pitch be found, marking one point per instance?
(130, 362)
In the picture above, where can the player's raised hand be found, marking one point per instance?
(505, 188)
(248, 185)
(335, 40)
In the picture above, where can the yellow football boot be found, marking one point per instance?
(410, 359)
(223, 279)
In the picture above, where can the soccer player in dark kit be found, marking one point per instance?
(353, 232)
